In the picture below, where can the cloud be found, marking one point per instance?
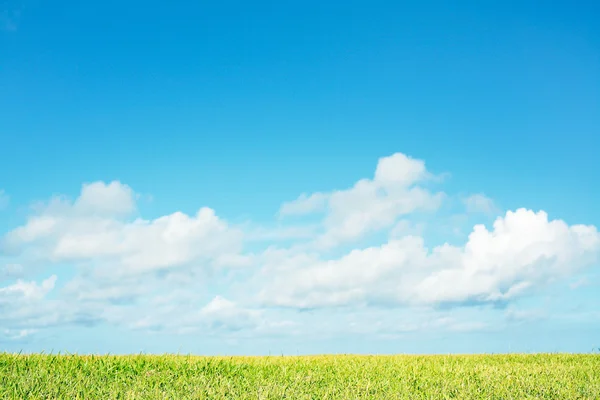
(177, 313)
(370, 204)
(25, 306)
(523, 251)
(280, 233)
(193, 273)
(18, 334)
(581, 282)
(223, 313)
(99, 198)
(527, 315)
(22, 290)
(95, 229)
(479, 203)
(304, 204)
(404, 227)
(4, 200)
(121, 261)
(380, 323)
(11, 271)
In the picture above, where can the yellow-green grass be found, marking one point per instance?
(538, 376)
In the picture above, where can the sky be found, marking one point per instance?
(299, 177)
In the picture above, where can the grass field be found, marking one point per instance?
(540, 376)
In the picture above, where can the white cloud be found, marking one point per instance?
(404, 227)
(581, 282)
(399, 169)
(114, 198)
(25, 306)
(11, 271)
(120, 262)
(223, 313)
(526, 315)
(106, 289)
(381, 323)
(94, 229)
(177, 313)
(304, 204)
(18, 334)
(371, 204)
(524, 250)
(280, 233)
(480, 203)
(22, 290)
(159, 274)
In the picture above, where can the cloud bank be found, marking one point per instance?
(200, 273)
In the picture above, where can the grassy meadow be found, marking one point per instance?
(537, 376)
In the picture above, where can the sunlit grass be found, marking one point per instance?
(539, 376)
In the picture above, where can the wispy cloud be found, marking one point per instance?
(480, 203)
(581, 282)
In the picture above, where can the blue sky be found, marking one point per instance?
(255, 178)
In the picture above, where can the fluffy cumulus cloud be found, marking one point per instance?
(183, 273)
(371, 204)
(221, 312)
(120, 259)
(523, 250)
(97, 228)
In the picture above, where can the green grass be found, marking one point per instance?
(539, 376)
